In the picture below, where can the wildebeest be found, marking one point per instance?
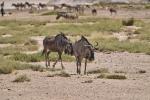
(2, 9)
(29, 5)
(94, 11)
(81, 49)
(55, 44)
(19, 6)
(16, 5)
(66, 15)
(41, 5)
(112, 10)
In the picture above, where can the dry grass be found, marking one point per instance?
(119, 77)
(61, 74)
(22, 78)
(142, 71)
(119, 71)
(101, 70)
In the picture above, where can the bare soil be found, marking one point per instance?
(41, 87)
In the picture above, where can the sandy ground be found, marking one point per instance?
(41, 87)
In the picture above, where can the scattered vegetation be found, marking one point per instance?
(37, 68)
(101, 70)
(7, 66)
(61, 74)
(128, 22)
(147, 6)
(22, 78)
(101, 76)
(88, 81)
(49, 13)
(119, 71)
(50, 75)
(37, 57)
(141, 71)
(119, 77)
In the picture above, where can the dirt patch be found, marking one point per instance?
(5, 45)
(136, 86)
(6, 35)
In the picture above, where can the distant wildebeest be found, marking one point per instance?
(57, 7)
(112, 10)
(16, 5)
(41, 5)
(81, 49)
(29, 5)
(66, 15)
(19, 6)
(55, 44)
(2, 9)
(94, 11)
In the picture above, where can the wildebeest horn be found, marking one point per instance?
(96, 44)
(95, 47)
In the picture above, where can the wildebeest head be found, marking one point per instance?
(69, 49)
(89, 49)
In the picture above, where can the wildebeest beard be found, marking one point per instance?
(91, 58)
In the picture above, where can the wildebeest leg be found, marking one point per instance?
(77, 64)
(79, 67)
(61, 60)
(85, 66)
(48, 58)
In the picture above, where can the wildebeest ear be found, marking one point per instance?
(82, 37)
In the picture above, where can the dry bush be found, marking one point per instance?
(128, 22)
(61, 74)
(22, 78)
(101, 70)
(119, 71)
(142, 71)
(119, 77)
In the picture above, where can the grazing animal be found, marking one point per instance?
(41, 5)
(56, 7)
(81, 49)
(19, 6)
(2, 9)
(29, 5)
(94, 12)
(55, 44)
(66, 15)
(16, 5)
(112, 10)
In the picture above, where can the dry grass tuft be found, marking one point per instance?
(22, 78)
(142, 71)
(88, 81)
(61, 74)
(119, 71)
(119, 77)
(101, 70)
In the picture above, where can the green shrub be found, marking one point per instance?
(128, 22)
